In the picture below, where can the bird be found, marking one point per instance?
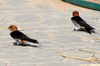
(19, 36)
(81, 24)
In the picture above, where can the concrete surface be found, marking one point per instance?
(49, 22)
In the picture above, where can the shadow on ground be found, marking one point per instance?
(24, 45)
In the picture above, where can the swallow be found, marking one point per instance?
(81, 24)
(19, 36)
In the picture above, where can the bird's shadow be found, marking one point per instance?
(23, 44)
(83, 31)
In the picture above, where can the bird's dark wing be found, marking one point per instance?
(78, 20)
(22, 36)
(81, 22)
(18, 35)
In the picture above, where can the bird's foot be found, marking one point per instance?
(15, 43)
(18, 44)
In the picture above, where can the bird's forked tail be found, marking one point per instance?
(32, 40)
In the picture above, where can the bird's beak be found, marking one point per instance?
(8, 27)
(4, 28)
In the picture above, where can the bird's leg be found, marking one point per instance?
(17, 42)
(22, 41)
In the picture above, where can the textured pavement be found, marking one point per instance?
(52, 27)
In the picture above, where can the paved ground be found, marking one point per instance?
(49, 22)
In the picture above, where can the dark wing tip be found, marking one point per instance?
(35, 41)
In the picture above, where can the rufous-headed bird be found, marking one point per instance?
(81, 24)
(19, 36)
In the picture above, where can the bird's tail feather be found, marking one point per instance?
(90, 31)
(32, 40)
